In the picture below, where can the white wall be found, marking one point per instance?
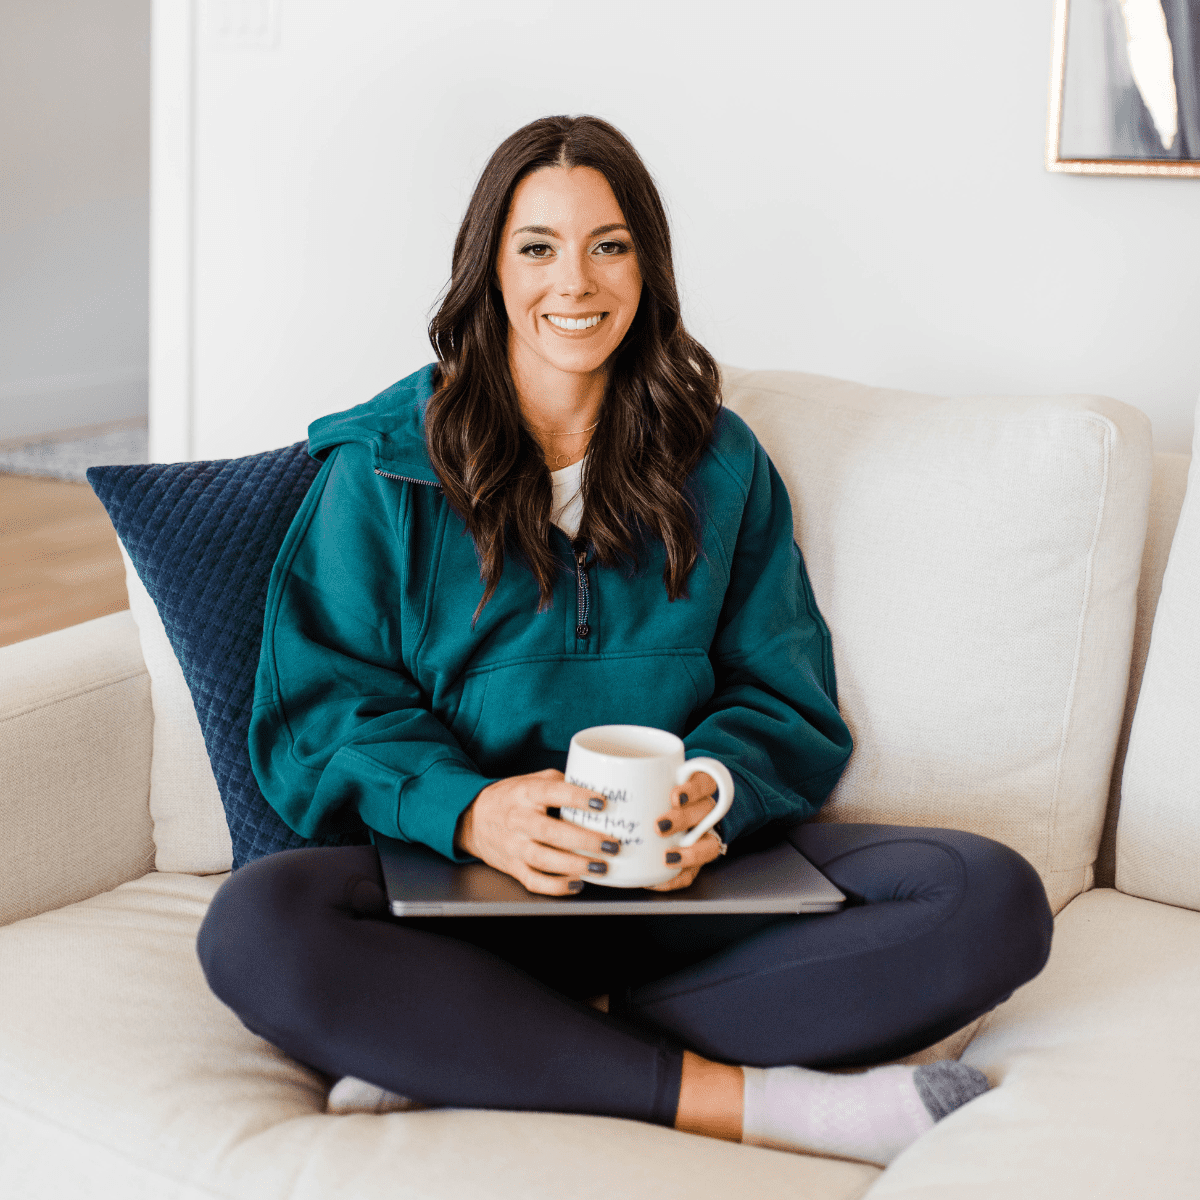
(855, 189)
(74, 219)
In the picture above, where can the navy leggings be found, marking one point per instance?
(491, 1012)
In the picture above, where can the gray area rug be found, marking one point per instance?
(71, 459)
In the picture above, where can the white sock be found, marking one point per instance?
(872, 1116)
(350, 1095)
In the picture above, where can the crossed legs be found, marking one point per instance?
(492, 1012)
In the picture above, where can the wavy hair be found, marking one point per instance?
(658, 411)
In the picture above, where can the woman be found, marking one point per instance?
(557, 526)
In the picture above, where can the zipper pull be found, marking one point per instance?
(583, 596)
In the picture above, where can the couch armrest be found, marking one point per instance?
(75, 739)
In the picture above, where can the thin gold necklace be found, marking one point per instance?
(559, 462)
(568, 432)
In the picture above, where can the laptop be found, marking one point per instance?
(421, 883)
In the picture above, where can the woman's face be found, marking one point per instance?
(568, 273)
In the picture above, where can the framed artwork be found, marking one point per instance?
(1125, 88)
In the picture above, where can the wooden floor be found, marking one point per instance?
(59, 562)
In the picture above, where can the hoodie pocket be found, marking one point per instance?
(520, 717)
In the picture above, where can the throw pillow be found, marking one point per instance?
(203, 537)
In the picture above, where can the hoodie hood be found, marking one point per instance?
(392, 424)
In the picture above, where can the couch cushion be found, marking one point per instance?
(203, 537)
(121, 1075)
(976, 561)
(1158, 833)
(1096, 1060)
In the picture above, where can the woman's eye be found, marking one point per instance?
(537, 250)
(609, 249)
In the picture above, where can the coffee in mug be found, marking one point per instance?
(634, 767)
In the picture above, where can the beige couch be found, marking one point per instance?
(978, 563)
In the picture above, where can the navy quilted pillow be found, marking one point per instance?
(203, 537)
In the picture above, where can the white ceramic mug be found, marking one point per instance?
(634, 767)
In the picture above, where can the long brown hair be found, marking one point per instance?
(658, 411)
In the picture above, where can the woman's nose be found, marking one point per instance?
(575, 276)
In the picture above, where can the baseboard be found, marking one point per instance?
(59, 407)
(72, 435)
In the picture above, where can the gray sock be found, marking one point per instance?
(945, 1086)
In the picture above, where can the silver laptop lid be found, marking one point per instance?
(421, 883)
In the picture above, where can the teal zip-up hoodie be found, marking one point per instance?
(375, 692)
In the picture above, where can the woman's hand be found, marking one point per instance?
(690, 804)
(508, 825)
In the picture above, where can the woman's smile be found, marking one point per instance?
(580, 324)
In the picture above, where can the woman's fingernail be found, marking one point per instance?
(576, 885)
(683, 798)
(596, 802)
(597, 868)
(673, 856)
(664, 825)
(610, 847)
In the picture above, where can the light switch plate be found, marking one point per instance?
(243, 24)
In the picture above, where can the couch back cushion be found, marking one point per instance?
(1158, 832)
(975, 559)
(977, 562)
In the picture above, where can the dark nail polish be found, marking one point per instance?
(576, 885)
(665, 825)
(596, 802)
(673, 856)
(610, 847)
(598, 868)
(683, 798)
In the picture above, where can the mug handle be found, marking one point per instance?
(724, 793)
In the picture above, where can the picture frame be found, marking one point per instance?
(1125, 88)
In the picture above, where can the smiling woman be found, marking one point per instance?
(427, 685)
(566, 226)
